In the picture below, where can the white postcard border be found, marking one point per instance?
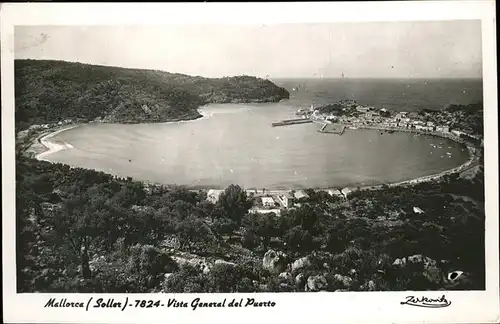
(383, 307)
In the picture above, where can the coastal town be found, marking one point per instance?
(336, 117)
(350, 114)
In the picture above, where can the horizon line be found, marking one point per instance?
(268, 77)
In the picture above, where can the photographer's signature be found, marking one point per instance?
(426, 302)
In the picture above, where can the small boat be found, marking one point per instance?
(130, 160)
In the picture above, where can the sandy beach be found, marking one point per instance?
(51, 147)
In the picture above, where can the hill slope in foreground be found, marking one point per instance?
(49, 91)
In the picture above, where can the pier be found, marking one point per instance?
(332, 129)
(287, 122)
(326, 127)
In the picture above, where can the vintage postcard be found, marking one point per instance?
(209, 162)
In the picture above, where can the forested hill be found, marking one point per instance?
(48, 91)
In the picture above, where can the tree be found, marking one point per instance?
(187, 280)
(234, 204)
(263, 226)
(193, 231)
(299, 240)
(146, 266)
(130, 194)
(139, 269)
(227, 278)
(249, 239)
(83, 226)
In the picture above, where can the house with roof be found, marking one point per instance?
(286, 199)
(346, 192)
(213, 195)
(267, 201)
(362, 109)
(300, 194)
(335, 193)
(418, 210)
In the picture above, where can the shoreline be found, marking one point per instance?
(41, 147)
(51, 147)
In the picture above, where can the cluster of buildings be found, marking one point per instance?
(360, 116)
(265, 201)
(274, 201)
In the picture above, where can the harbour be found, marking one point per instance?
(328, 128)
(295, 121)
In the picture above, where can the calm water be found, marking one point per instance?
(236, 143)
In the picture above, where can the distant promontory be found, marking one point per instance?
(48, 91)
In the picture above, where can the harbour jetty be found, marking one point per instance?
(288, 122)
(332, 129)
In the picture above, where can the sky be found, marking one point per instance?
(443, 49)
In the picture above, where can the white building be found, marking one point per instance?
(335, 192)
(299, 194)
(417, 210)
(444, 129)
(267, 202)
(346, 191)
(286, 200)
(362, 109)
(213, 195)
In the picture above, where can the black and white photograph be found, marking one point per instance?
(307, 157)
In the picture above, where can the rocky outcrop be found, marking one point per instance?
(300, 280)
(225, 262)
(414, 259)
(316, 283)
(371, 285)
(274, 262)
(344, 281)
(188, 259)
(285, 275)
(171, 242)
(457, 280)
(300, 264)
(428, 266)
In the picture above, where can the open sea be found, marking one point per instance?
(235, 143)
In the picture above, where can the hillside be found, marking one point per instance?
(50, 91)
